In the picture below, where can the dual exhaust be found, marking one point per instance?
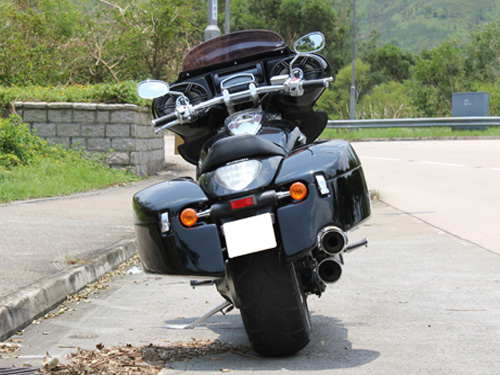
(332, 242)
(329, 270)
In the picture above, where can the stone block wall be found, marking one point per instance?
(122, 131)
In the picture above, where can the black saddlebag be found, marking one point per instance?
(165, 245)
(345, 204)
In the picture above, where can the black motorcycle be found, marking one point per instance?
(266, 218)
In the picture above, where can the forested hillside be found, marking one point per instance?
(55, 44)
(415, 25)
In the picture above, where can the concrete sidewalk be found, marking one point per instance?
(53, 247)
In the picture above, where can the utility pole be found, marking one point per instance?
(226, 22)
(352, 107)
(212, 30)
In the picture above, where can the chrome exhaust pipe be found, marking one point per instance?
(332, 240)
(329, 270)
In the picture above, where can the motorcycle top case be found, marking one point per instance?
(345, 203)
(169, 247)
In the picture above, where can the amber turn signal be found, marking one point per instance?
(189, 217)
(298, 191)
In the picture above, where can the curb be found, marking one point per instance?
(19, 309)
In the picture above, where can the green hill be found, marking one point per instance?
(422, 24)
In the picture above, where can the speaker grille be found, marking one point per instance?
(313, 66)
(195, 92)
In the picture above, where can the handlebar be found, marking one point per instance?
(160, 121)
(314, 84)
(292, 87)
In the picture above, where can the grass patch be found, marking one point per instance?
(119, 92)
(32, 168)
(51, 178)
(390, 133)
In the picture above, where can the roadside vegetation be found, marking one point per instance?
(103, 46)
(407, 133)
(393, 83)
(32, 168)
(114, 92)
(97, 50)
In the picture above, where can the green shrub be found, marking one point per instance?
(32, 168)
(335, 101)
(18, 146)
(494, 90)
(121, 92)
(388, 100)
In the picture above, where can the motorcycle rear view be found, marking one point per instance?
(267, 217)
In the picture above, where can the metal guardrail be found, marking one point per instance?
(466, 122)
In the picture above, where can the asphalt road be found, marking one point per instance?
(420, 299)
(453, 185)
(416, 301)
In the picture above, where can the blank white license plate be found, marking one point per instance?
(250, 235)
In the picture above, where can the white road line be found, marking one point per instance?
(377, 158)
(444, 164)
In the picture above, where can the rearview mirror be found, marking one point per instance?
(152, 89)
(310, 43)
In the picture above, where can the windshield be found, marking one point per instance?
(233, 46)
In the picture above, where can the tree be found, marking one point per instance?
(335, 101)
(455, 67)
(254, 14)
(390, 63)
(50, 42)
(36, 40)
(136, 39)
(482, 54)
(292, 19)
(437, 74)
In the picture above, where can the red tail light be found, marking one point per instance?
(242, 203)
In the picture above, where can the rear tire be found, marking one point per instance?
(272, 304)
